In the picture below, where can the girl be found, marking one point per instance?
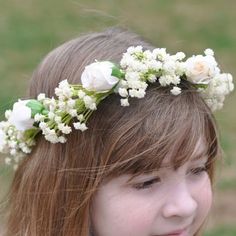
(139, 170)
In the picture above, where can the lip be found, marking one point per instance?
(181, 232)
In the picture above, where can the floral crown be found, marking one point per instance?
(75, 103)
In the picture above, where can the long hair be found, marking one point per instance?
(53, 188)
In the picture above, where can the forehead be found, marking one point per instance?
(200, 150)
(199, 153)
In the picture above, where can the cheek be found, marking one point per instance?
(203, 197)
(127, 214)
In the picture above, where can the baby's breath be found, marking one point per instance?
(73, 105)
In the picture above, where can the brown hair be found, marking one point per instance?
(53, 187)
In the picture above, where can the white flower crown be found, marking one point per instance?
(52, 116)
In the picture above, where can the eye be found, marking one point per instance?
(146, 184)
(198, 170)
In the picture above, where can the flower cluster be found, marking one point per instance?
(72, 105)
(143, 67)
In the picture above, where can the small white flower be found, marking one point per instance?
(73, 112)
(57, 119)
(154, 65)
(21, 116)
(123, 84)
(62, 105)
(132, 92)
(141, 68)
(126, 60)
(39, 117)
(80, 117)
(169, 79)
(98, 76)
(51, 136)
(64, 84)
(7, 114)
(148, 55)
(12, 144)
(229, 81)
(41, 97)
(80, 126)
(43, 125)
(220, 85)
(71, 103)
(123, 92)
(169, 66)
(137, 49)
(65, 129)
(133, 75)
(180, 68)
(124, 102)
(61, 139)
(89, 102)
(92, 106)
(51, 115)
(24, 148)
(139, 93)
(81, 94)
(176, 90)
(52, 103)
(180, 56)
(48, 131)
(2, 138)
(64, 90)
(160, 53)
(10, 132)
(138, 66)
(209, 52)
(152, 78)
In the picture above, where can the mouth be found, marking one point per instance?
(181, 232)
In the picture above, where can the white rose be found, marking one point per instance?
(200, 69)
(97, 76)
(21, 116)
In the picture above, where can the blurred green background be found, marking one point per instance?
(31, 28)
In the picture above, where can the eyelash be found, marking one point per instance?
(146, 184)
(149, 183)
(198, 170)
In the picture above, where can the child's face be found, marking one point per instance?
(169, 202)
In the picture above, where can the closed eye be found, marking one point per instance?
(198, 170)
(146, 184)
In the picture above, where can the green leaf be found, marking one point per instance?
(35, 106)
(117, 72)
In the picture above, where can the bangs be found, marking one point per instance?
(170, 129)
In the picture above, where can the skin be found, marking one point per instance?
(166, 202)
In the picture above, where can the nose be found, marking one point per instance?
(179, 202)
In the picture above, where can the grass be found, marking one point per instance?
(31, 28)
(222, 231)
